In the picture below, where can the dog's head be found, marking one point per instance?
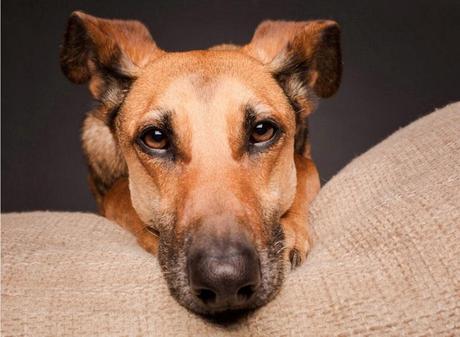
(209, 139)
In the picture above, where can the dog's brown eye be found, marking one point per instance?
(155, 139)
(262, 132)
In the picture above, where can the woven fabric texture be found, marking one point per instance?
(386, 260)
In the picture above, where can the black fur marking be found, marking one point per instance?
(301, 136)
(248, 124)
(78, 51)
(295, 65)
(329, 62)
(112, 116)
(295, 72)
(116, 86)
(298, 68)
(75, 51)
(119, 87)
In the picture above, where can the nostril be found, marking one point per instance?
(223, 274)
(245, 292)
(206, 295)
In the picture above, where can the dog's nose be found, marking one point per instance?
(224, 275)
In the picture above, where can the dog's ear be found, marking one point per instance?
(305, 59)
(299, 54)
(106, 54)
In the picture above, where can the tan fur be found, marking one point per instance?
(206, 97)
(210, 106)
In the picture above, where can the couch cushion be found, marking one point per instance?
(385, 262)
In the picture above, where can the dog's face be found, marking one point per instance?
(209, 149)
(209, 139)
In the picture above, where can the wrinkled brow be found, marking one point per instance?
(159, 117)
(252, 112)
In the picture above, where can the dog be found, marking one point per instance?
(204, 155)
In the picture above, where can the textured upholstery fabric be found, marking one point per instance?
(386, 260)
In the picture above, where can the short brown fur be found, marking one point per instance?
(205, 96)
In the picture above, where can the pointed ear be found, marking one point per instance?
(305, 59)
(300, 55)
(106, 54)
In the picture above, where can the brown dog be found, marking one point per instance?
(204, 155)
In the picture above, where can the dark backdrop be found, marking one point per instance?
(401, 60)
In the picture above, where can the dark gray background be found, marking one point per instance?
(401, 60)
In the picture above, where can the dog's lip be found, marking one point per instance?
(225, 310)
(228, 317)
(229, 307)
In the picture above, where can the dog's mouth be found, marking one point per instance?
(224, 287)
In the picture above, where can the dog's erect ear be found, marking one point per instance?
(305, 59)
(106, 54)
(304, 52)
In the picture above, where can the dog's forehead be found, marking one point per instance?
(207, 62)
(204, 83)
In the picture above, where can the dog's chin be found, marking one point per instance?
(272, 263)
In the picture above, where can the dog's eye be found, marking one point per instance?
(155, 139)
(262, 132)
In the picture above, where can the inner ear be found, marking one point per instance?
(309, 51)
(315, 52)
(305, 59)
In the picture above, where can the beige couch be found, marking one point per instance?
(386, 261)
